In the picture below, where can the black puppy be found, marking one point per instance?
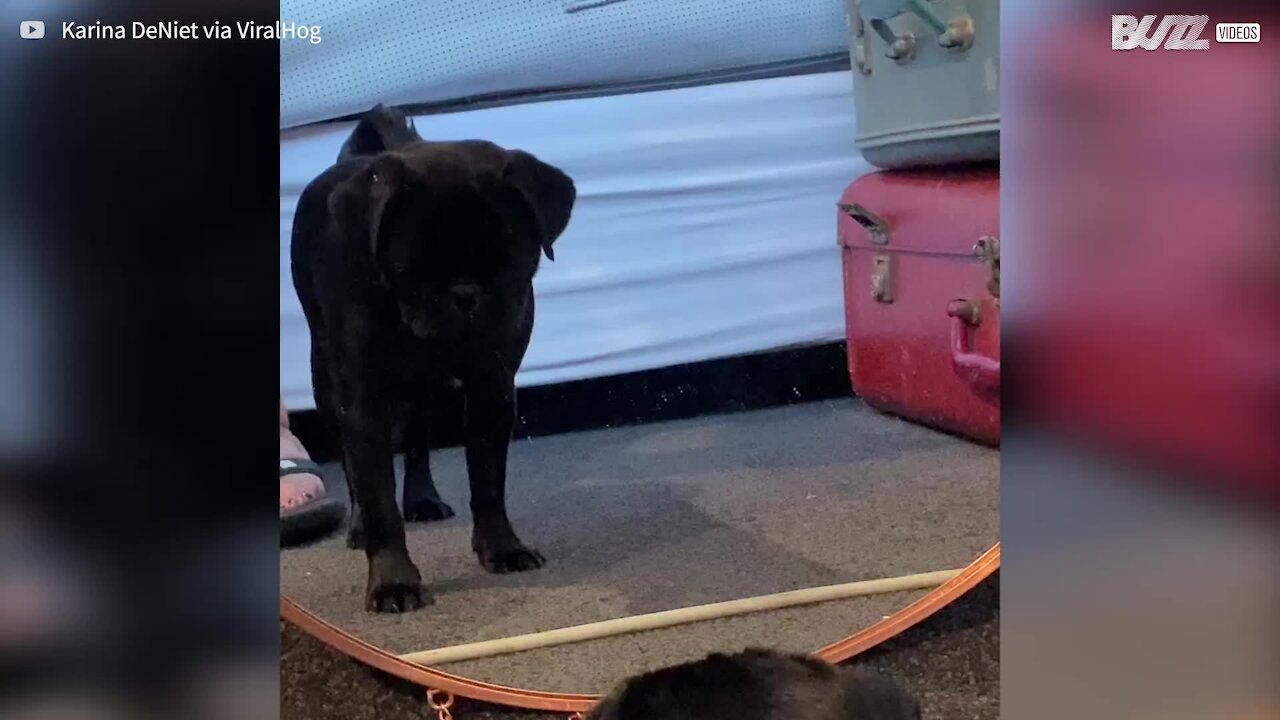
(414, 264)
(757, 685)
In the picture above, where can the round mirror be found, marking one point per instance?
(746, 415)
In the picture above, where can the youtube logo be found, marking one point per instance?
(31, 29)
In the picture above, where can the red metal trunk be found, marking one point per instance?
(921, 282)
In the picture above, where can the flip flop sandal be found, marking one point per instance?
(313, 517)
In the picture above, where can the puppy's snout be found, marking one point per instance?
(465, 296)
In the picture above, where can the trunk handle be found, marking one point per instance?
(980, 371)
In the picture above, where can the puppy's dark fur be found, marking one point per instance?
(382, 128)
(414, 264)
(757, 685)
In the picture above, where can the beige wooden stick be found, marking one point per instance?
(681, 616)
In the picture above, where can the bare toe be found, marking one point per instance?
(298, 489)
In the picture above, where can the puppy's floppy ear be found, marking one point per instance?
(358, 204)
(549, 192)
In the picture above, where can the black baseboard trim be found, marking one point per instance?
(736, 384)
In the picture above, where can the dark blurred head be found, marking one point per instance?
(757, 685)
(457, 231)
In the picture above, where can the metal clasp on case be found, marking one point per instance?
(956, 33)
(959, 34)
(902, 48)
(882, 278)
(876, 227)
(881, 263)
(861, 48)
(987, 249)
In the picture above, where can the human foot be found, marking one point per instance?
(299, 481)
(304, 509)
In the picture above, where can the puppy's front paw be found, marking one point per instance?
(509, 558)
(427, 510)
(396, 598)
(395, 585)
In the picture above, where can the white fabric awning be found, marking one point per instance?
(705, 225)
(410, 52)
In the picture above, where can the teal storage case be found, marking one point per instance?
(926, 77)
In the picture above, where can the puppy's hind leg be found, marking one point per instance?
(355, 532)
(489, 418)
(324, 384)
(420, 498)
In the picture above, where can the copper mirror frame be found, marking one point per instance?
(439, 681)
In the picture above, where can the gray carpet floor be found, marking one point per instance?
(654, 517)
